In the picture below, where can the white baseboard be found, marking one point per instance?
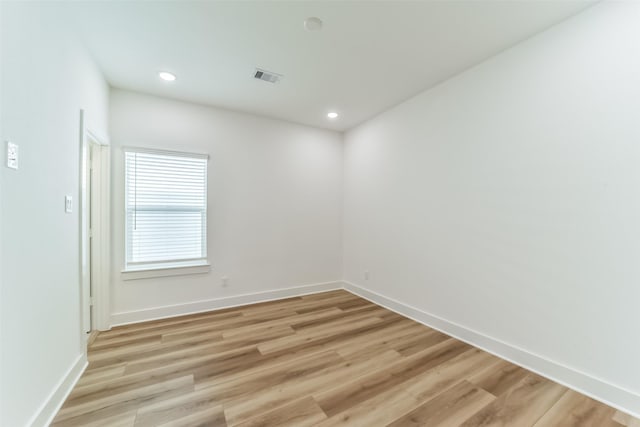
(52, 405)
(610, 394)
(124, 318)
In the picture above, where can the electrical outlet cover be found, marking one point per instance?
(12, 155)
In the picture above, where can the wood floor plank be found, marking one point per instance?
(246, 408)
(358, 338)
(110, 345)
(450, 408)
(158, 326)
(319, 347)
(359, 390)
(499, 378)
(261, 335)
(304, 412)
(123, 351)
(440, 378)
(307, 337)
(341, 303)
(379, 341)
(324, 359)
(192, 358)
(576, 410)
(120, 419)
(78, 414)
(279, 375)
(523, 405)
(311, 319)
(208, 417)
(221, 327)
(101, 374)
(408, 347)
(193, 348)
(353, 399)
(380, 410)
(291, 320)
(177, 407)
(343, 337)
(625, 420)
(120, 385)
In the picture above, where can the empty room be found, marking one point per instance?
(320, 213)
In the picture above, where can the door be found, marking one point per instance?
(94, 206)
(87, 234)
(95, 195)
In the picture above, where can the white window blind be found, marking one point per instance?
(166, 208)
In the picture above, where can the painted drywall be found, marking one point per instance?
(2, 159)
(46, 79)
(274, 202)
(505, 200)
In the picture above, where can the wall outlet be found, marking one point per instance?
(12, 155)
(366, 275)
(224, 281)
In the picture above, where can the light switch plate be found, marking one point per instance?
(68, 204)
(12, 155)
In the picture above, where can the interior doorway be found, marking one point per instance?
(94, 234)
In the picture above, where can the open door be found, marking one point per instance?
(94, 236)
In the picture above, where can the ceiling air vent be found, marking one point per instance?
(267, 76)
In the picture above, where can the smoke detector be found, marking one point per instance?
(267, 76)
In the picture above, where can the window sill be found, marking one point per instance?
(165, 271)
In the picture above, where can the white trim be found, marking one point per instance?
(128, 149)
(98, 137)
(155, 265)
(83, 235)
(128, 317)
(596, 388)
(61, 391)
(163, 271)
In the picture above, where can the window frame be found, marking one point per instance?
(139, 270)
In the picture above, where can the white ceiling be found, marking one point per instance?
(368, 57)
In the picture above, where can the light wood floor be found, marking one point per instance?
(325, 359)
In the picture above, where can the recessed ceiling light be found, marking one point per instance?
(313, 24)
(167, 76)
(332, 115)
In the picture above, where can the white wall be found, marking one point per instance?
(46, 79)
(507, 200)
(275, 192)
(2, 160)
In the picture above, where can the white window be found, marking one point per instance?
(166, 209)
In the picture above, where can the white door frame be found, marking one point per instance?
(97, 256)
